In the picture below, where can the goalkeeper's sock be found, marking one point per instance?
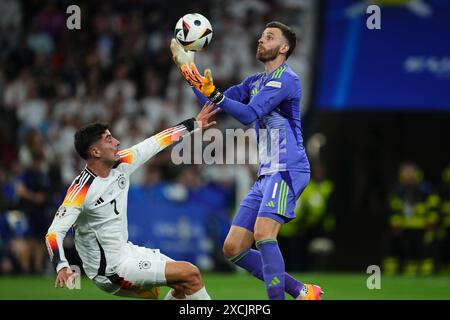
(273, 268)
(251, 261)
(170, 296)
(199, 295)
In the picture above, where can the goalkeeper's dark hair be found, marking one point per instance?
(288, 33)
(87, 135)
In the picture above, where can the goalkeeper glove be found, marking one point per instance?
(205, 84)
(183, 58)
(180, 55)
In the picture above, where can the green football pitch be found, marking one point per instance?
(235, 286)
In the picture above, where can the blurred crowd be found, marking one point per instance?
(116, 69)
(417, 241)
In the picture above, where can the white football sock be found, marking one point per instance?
(199, 295)
(169, 296)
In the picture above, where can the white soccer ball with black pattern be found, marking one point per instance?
(193, 31)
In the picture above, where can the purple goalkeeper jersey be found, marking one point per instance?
(275, 98)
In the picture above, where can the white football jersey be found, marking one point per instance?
(96, 207)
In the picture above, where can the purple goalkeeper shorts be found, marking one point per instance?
(272, 197)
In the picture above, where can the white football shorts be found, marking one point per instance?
(138, 274)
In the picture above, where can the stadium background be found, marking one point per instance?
(372, 100)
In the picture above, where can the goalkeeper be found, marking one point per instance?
(270, 100)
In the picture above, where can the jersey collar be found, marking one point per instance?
(270, 75)
(90, 172)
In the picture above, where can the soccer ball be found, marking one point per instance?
(193, 31)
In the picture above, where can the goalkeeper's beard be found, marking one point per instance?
(267, 55)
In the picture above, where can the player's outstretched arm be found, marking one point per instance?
(143, 151)
(205, 85)
(271, 95)
(184, 60)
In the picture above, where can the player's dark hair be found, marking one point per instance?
(288, 33)
(87, 135)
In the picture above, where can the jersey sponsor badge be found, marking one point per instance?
(274, 84)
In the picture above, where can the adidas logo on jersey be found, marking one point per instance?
(270, 204)
(99, 201)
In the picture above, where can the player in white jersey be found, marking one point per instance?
(96, 207)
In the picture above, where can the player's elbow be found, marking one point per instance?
(246, 122)
(248, 118)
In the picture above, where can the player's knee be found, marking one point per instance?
(231, 249)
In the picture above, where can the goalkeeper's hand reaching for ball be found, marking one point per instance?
(184, 60)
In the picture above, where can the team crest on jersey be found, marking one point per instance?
(61, 211)
(144, 265)
(121, 182)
